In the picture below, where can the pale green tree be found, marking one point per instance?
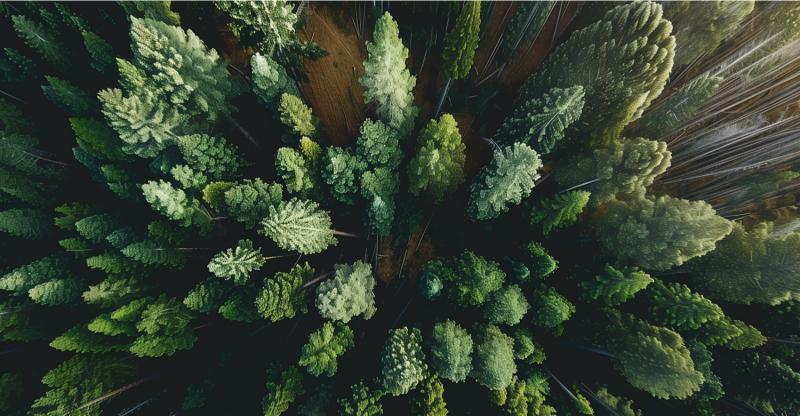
(403, 361)
(438, 167)
(510, 176)
(299, 225)
(348, 293)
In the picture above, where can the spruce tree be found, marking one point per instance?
(510, 176)
(270, 80)
(69, 97)
(615, 286)
(171, 202)
(324, 346)
(437, 169)
(403, 361)
(250, 200)
(629, 167)
(211, 156)
(493, 361)
(348, 293)
(237, 263)
(549, 309)
(100, 52)
(296, 116)
(676, 306)
(284, 387)
(156, 10)
(429, 400)
(282, 295)
(462, 41)
(269, 25)
(42, 40)
(449, 349)
(364, 400)
(562, 210)
(300, 226)
(27, 223)
(506, 306)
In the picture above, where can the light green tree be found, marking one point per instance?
(324, 347)
(559, 211)
(300, 226)
(615, 286)
(364, 400)
(171, 202)
(629, 167)
(506, 306)
(348, 294)
(429, 400)
(282, 295)
(461, 42)
(250, 200)
(267, 24)
(237, 263)
(676, 306)
(493, 361)
(449, 349)
(212, 156)
(296, 116)
(510, 176)
(284, 387)
(100, 52)
(403, 361)
(438, 167)
(157, 10)
(550, 309)
(270, 80)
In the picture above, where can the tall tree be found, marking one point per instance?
(403, 361)
(510, 176)
(282, 295)
(237, 263)
(300, 226)
(559, 211)
(324, 347)
(460, 44)
(615, 286)
(493, 362)
(449, 349)
(438, 167)
(348, 294)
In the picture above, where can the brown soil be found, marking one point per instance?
(332, 87)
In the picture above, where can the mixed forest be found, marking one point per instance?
(399, 208)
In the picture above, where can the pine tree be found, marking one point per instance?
(364, 400)
(622, 62)
(462, 41)
(348, 294)
(493, 362)
(23, 278)
(677, 110)
(22, 188)
(506, 306)
(164, 329)
(526, 348)
(249, 201)
(621, 405)
(284, 387)
(96, 138)
(12, 392)
(156, 10)
(16, 67)
(540, 263)
(171, 202)
(69, 97)
(113, 291)
(700, 27)
(615, 286)
(653, 359)
(676, 306)
(449, 349)
(341, 170)
(237, 263)
(324, 346)
(296, 116)
(562, 210)
(510, 176)
(151, 253)
(438, 167)
(295, 170)
(212, 156)
(660, 232)
(750, 266)
(386, 80)
(542, 122)
(471, 279)
(79, 339)
(43, 41)
(550, 309)
(96, 228)
(525, 26)
(429, 400)
(17, 323)
(240, 305)
(267, 24)
(403, 361)
(270, 80)
(207, 296)
(300, 226)
(282, 295)
(100, 52)
(57, 291)
(27, 223)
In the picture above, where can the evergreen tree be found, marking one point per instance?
(156, 10)
(462, 41)
(525, 348)
(621, 405)
(96, 228)
(386, 80)
(403, 361)
(766, 382)
(57, 291)
(212, 156)
(240, 305)
(429, 400)
(676, 306)
(562, 210)
(653, 359)
(12, 392)
(510, 176)
(470, 279)
(348, 294)
(629, 167)
(525, 26)
(249, 201)
(45, 42)
(299, 225)
(164, 329)
(341, 170)
(207, 296)
(541, 122)
(449, 349)
(622, 62)
(282, 295)
(363, 401)
(550, 308)
(267, 24)
(270, 80)
(295, 170)
(96, 138)
(237, 263)
(171, 202)
(17, 323)
(284, 387)
(324, 347)
(69, 97)
(438, 167)
(16, 67)
(506, 306)
(660, 232)
(296, 116)
(23, 278)
(100, 52)
(615, 286)
(151, 253)
(80, 339)
(751, 266)
(27, 223)
(493, 363)
(677, 110)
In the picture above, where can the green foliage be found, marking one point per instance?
(763, 380)
(560, 211)
(27, 223)
(43, 41)
(437, 169)
(462, 41)
(296, 116)
(523, 397)
(270, 80)
(348, 294)
(629, 167)
(700, 27)
(525, 348)
(96, 228)
(540, 263)
(660, 232)
(100, 52)
(284, 386)
(80, 339)
(16, 67)
(212, 156)
(12, 391)
(615, 286)
(653, 359)
(249, 201)
(450, 351)
(237, 263)
(151, 253)
(324, 347)
(751, 266)
(682, 105)
(240, 306)
(207, 296)
(113, 291)
(363, 401)
(96, 138)
(620, 405)
(57, 292)
(170, 201)
(541, 122)
(299, 225)
(431, 280)
(622, 61)
(340, 170)
(69, 97)
(23, 278)
(506, 306)
(510, 176)
(403, 361)
(386, 80)
(469, 279)
(269, 25)
(17, 323)
(164, 327)
(282, 295)
(295, 170)
(429, 400)
(493, 362)
(156, 10)
(675, 305)
(550, 309)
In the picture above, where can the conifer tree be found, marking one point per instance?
(525, 25)
(249, 201)
(96, 138)
(621, 405)
(267, 24)
(550, 309)
(100, 52)
(151, 253)
(295, 170)
(96, 228)
(240, 305)
(364, 400)
(449, 349)
(403, 361)
(12, 392)
(676, 306)
(348, 294)
(386, 80)
(541, 122)
(270, 80)
(429, 400)
(753, 371)
(207, 296)
(462, 41)
(341, 170)
(170, 201)
(615, 286)
(57, 291)
(562, 210)
(506, 306)
(668, 117)
(296, 116)
(299, 225)
(470, 279)
(69, 97)
(17, 323)
(212, 156)
(284, 387)
(16, 67)
(156, 10)
(282, 295)
(27, 223)
(324, 347)
(493, 362)
(438, 167)
(80, 339)
(43, 41)
(631, 51)
(237, 263)
(660, 232)
(510, 176)
(164, 329)
(23, 278)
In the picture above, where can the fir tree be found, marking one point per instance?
(237, 263)
(156, 10)
(629, 167)
(386, 80)
(57, 291)
(16, 67)
(660, 232)
(249, 201)
(348, 294)
(295, 170)
(282, 295)
(462, 41)
(429, 400)
(449, 349)
(438, 167)
(240, 305)
(767, 382)
(151, 253)
(284, 387)
(43, 41)
(100, 52)
(340, 170)
(621, 405)
(324, 346)
(615, 286)
(622, 61)
(267, 24)
(207, 296)
(541, 122)
(79, 339)
(113, 291)
(170, 201)
(296, 116)
(69, 97)
(493, 363)
(525, 26)
(471, 279)
(506, 306)
(27, 223)
(212, 156)
(677, 110)
(510, 176)
(550, 309)
(403, 361)
(270, 80)
(164, 329)
(96, 138)
(676, 306)
(23, 278)
(364, 400)
(300, 226)
(96, 228)
(562, 210)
